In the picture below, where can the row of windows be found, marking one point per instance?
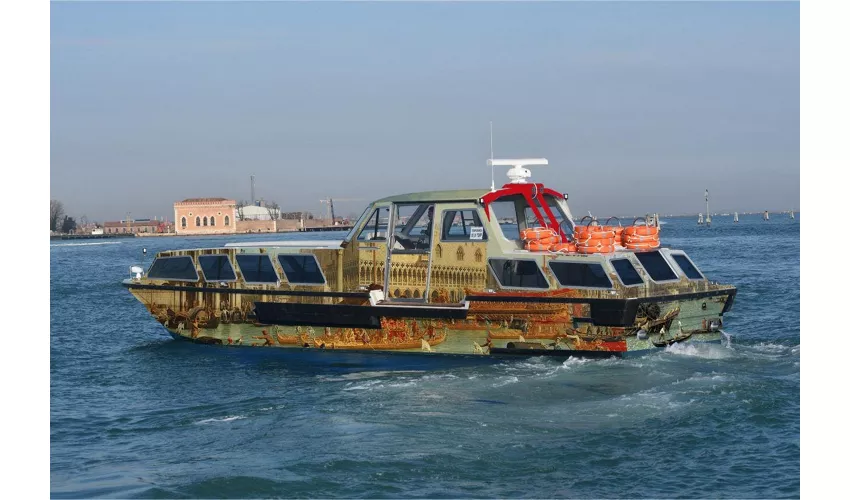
(527, 274)
(413, 226)
(211, 221)
(302, 269)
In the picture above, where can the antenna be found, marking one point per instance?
(492, 167)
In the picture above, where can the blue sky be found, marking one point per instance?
(639, 107)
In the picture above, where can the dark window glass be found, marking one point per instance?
(376, 228)
(687, 266)
(256, 268)
(518, 273)
(301, 269)
(462, 225)
(216, 268)
(656, 266)
(173, 268)
(580, 274)
(627, 272)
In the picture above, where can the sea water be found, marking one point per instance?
(134, 413)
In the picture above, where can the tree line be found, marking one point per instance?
(59, 221)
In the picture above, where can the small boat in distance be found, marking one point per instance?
(792, 214)
(736, 217)
(699, 220)
(765, 215)
(466, 276)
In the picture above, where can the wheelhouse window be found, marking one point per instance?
(687, 266)
(173, 268)
(580, 274)
(504, 211)
(656, 266)
(256, 268)
(626, 272)
(513, 273)
(413, 226)
(462, 225)
(216, 268)
(301, 269)
(376, 226)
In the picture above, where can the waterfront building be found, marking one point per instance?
(134, 226)
(205, 216)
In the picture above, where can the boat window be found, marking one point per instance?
(580, 274)
(256, 268)
(462, 225)
(504, 211)
(376, 228)
(216, 268)
(656, 266)
(627, 272)
(301, 269)
(413, 226)
(564, 222)
(687, 266)
(518, 273)
(173, 268)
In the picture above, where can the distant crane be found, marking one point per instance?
(330, 202)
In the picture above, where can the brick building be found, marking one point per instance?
(205, 216)
(135, 226)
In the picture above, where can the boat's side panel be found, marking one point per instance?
(565, 322)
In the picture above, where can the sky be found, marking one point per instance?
(639, 107)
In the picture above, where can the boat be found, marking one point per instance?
(792, 214)
(765, 215)
(477, 274)
(736, 217)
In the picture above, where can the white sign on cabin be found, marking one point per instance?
(476, 233)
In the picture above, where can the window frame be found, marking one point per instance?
(649, 275)
(271, 262)
(194, 268)
(600, 264)
(460, 239)
(365, 225)
(537, 264)
(305, 255)
(635, 267)
(218, 255)
(683, 273)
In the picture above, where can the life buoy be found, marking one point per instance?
(641, 231)
(534, 246)
(536, 233)
(600, 242)
(563, 248)
(639, 239)
(600, 249)
(643, 246)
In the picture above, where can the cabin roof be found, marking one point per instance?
(456, 195)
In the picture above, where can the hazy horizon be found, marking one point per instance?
(639, 107)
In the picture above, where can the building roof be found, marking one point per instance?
(190, 200)
(133, 223)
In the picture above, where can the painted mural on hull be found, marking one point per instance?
(484, 272)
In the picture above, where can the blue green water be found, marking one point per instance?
(136, 414)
